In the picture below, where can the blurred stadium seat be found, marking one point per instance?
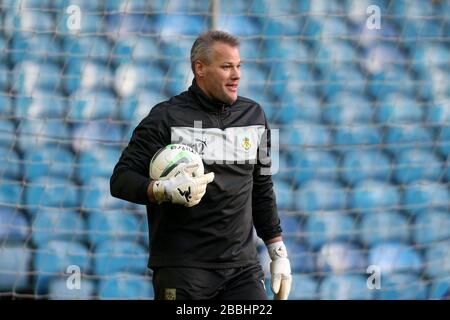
(363, 116)
(344, 287)
(124, 286)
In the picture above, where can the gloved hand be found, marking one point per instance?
(182, 188)
(280, 270)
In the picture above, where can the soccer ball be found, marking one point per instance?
(168, 158)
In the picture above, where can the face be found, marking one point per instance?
(219, 77)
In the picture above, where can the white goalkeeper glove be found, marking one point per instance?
(280, 270)
(182, 188)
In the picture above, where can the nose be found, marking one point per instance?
(236, 73)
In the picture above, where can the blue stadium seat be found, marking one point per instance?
(14, 225)
(36, 133)
(3, 46)
(36, 48)
(278, 26)
(88, 163)
(394, 257)
(11, 163)
(8, 136)
(137, 107)
(330, 28)
(303, 134)
(304, 287)
(291, 50)
(323, 227)
(241, 26)
(281, 164)
(25, 5)
(122, 256)
(177, 49)
(42, 105)
(52, 161)
(51, 192)
(6, 105)
(56, 224)
(345, 287)
(437, 257)
(311, 164)
(402, 286)
(87, 76)
(31, 76)
(53, 259)
(76, 50)
(58, 290)
(317, 195)
(342, 78)
(438, 112)
(410, 9)
(347, 108)
(14, 267)
(423, 29)
(125, 286)
(397, 109)
(431, 86)
(85, 5)
(138, 49)
(391, 80)
(96, 196)
(382, 227)
(422, 196)
(253, 77)
(305, 107)
(28, 22)
(5, 75)
(251, 49)
(447, 169)
(132, 79)
(121, 25)
(112, 225)
(285, 195)
(372, 195)
(97, 105)
(290, 77)
(426, 57)
(177, 24)
(413, 165)
(431, 226)
(291, 226)
(302, 258)
(348, 137)
(359, 165)
(11, 193)
(443, 140)
(125, 6)
(334, 53)
(94, 134)
(178, 78)
(407, 136)
(341, 257)
(439, 289)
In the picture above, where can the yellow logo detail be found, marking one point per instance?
(246, 144)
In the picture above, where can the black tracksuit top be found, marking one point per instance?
(217, 232)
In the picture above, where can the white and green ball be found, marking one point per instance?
(169, 157)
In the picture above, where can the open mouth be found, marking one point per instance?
(232, 87)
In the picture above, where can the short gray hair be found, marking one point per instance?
(201, 49)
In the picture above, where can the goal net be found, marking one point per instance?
(357, 89)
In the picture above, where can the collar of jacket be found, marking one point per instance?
(209, 104)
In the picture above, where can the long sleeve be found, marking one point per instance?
(265, 213)
(130, 178)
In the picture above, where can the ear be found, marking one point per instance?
(199, 68)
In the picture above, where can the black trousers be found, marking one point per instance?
(180, 283)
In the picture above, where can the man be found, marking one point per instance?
(204, 248)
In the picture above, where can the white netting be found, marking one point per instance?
(363, 108)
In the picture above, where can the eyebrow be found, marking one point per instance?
(230, 63)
